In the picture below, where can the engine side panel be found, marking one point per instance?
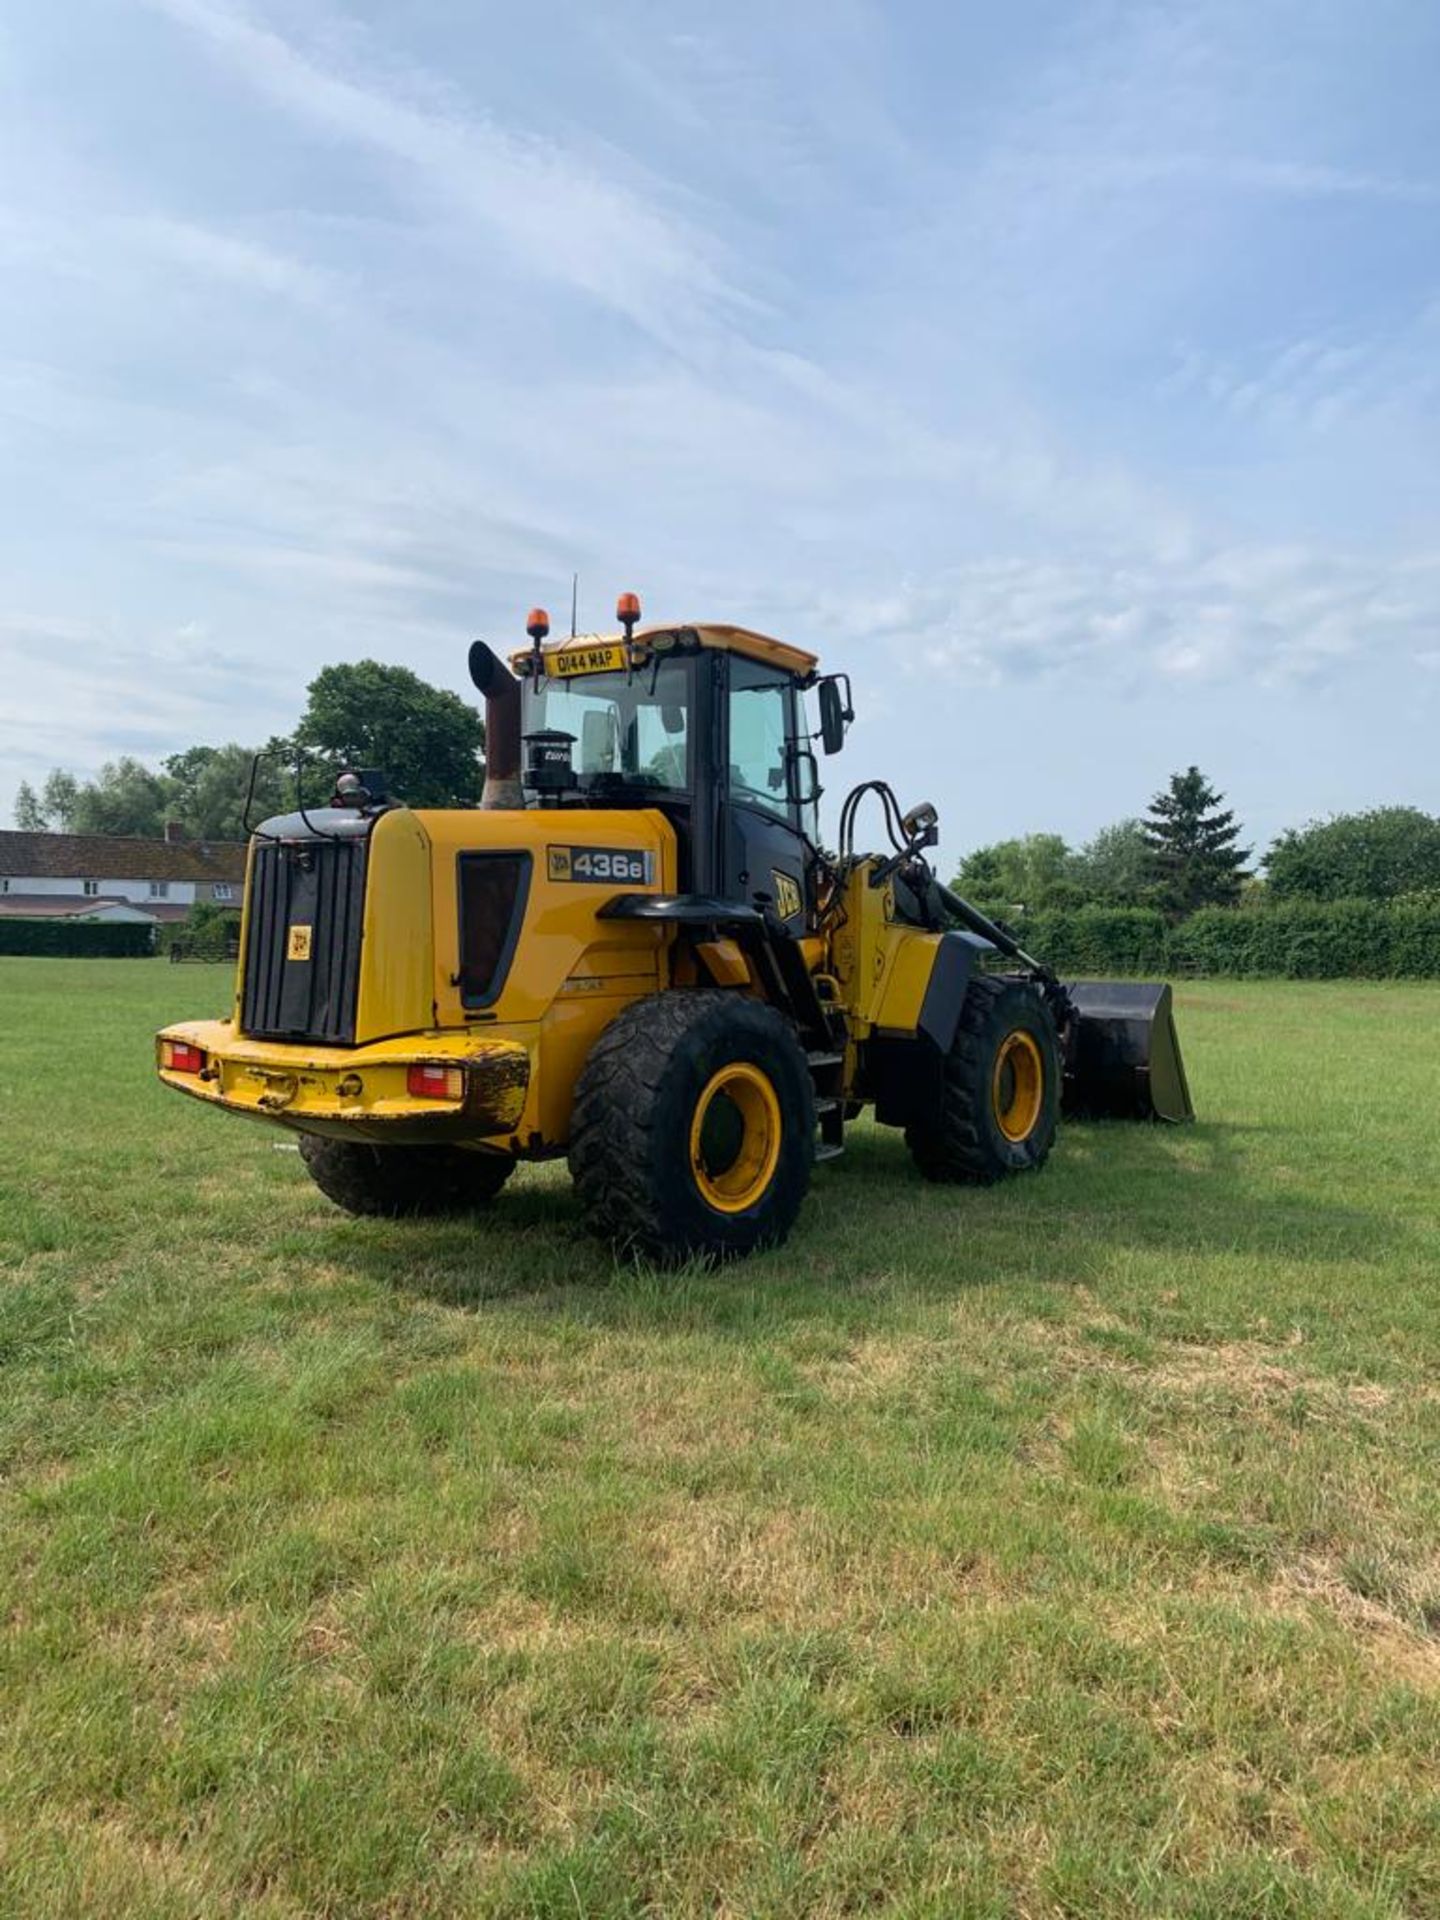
(559, 975)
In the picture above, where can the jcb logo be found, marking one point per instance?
(558, 863)
(298, 945)
(787, 895)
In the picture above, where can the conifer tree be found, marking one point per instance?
(1191, 840)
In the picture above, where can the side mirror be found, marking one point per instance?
(836, 711)
(921, 825)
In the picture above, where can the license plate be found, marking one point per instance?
(571, 660)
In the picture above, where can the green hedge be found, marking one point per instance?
(1314, 940)
(79, 939)
(1290, 940)
(1097, 940)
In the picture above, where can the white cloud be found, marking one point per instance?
(1241, 615)
(1319, 383)
(228, 257)
(92, 692)
(1100, 172)
(377, 366)
(563, 219)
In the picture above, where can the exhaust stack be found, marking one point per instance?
(502, 728)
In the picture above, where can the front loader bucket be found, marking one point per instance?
(1125, 1060)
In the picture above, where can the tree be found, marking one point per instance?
(126, 797)
(425, 740)
(210, 785)
(1113, 869)
(1032, 872)
(1371, 856)
(29, 814)
(1194, 860)
(59, 799)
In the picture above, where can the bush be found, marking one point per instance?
(1385, 854)
(1288, 940)
(209, 931)
(1097, 940)
(79, 939)
(1314, 940)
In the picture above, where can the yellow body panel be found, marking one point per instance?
(562, 944)
(397, 957)
(725, 962)
(882, 965)
(570, 974)
(908, 960)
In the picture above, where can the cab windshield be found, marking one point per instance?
(630, 730)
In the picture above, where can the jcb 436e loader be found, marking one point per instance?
(636, 953)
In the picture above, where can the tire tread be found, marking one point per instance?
(615, 1144)
(958, 1145)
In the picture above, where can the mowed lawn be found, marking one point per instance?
(1066, 1549)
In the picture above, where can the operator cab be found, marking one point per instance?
(706, 723)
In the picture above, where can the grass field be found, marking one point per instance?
(1068, 1549)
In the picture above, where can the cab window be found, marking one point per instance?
(629, 729)
(759, 707)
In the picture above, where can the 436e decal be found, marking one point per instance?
(633, 866)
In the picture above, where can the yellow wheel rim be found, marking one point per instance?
(1017, 1087)
(735, 1137)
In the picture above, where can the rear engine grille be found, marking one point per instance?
(302, 946)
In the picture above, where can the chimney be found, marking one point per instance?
(174, 833)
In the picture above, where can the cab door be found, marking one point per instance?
(765, 850)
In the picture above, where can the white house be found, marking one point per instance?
(92, 876)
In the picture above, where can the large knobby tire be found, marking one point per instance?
(694, 1127)
(395, 1181)
(1001, 1100)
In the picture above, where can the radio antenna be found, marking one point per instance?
(574, 601)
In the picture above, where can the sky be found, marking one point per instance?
(1067, 373)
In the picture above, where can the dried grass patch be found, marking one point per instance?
(1402, 1646)
(872, 1368)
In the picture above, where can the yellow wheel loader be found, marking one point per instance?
(637, 954)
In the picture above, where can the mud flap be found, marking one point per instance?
(1125, 1057)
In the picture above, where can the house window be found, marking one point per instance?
(90, 887)
(222, 890)
(159, 889)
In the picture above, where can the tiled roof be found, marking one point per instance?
(99, 856)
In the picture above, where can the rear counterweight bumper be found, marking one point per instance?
(360, 1093)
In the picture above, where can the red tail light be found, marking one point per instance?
(180, 1057)
(435, 1083)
